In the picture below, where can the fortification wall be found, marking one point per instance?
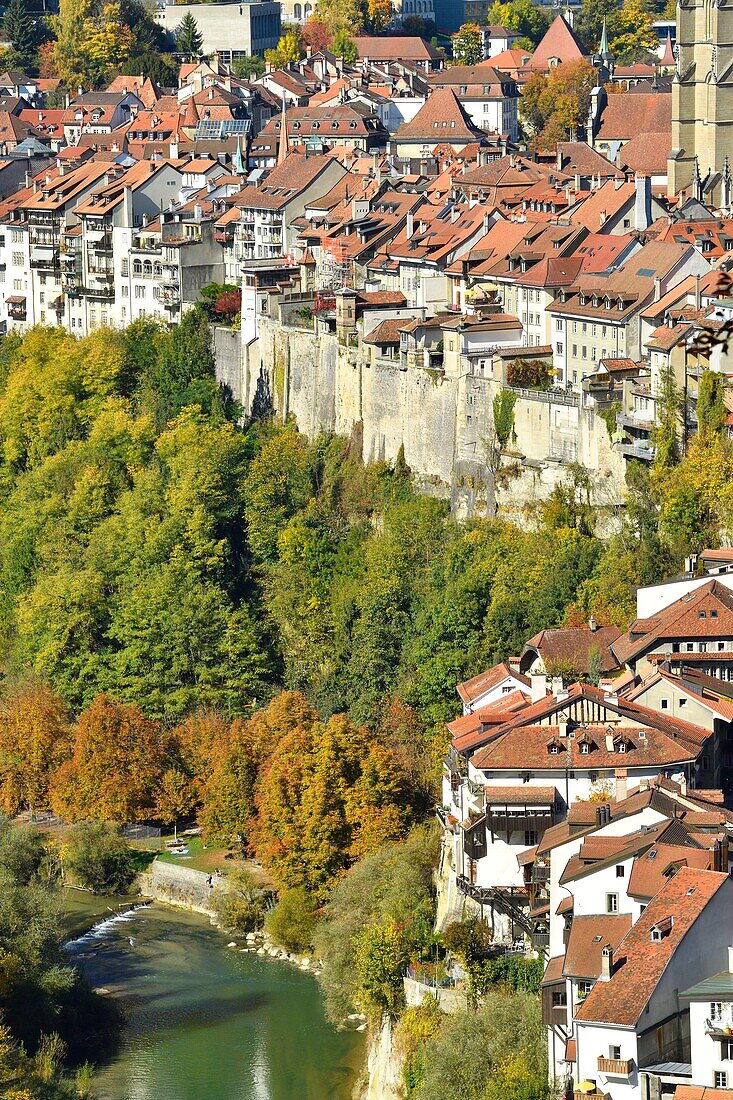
(442, 423)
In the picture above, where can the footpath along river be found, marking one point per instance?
(205, 1022)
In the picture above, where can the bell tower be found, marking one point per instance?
(702, 100)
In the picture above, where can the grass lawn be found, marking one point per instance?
(201, 858)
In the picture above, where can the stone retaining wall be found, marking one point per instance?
(180, 886)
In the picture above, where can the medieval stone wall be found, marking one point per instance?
(442, 423)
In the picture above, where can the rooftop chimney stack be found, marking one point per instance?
(606, 963)
(538, 689)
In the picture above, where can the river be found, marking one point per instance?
(206, 1022)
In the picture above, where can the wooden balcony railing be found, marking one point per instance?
(614, 1067)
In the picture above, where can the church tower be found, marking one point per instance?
(702, 101)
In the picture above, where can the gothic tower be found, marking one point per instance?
(702, 101)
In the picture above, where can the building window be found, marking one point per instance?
(726, 1050)
(664, 704)
(720, 1078)
(18, 259)
(612, 903)
(619, 870)
(614, 1051)
(530, 837)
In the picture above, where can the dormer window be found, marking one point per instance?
(584, 748)
(659, 931)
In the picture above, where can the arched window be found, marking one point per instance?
(147, 269)
(157, 270)
(137, 267)
(297, 10)
(308, 9)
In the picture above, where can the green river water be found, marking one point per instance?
(205, 1022)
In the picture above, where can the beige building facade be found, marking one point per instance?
(702, 103)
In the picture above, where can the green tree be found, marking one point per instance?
(288, 49)
(503, 415)
(522, 16)
(99, 859)
(554, 106)
(492, 1053)
(239, 903)
(343, 45)
(589, 21)
(668, 421)
(634, 37)
(344, 15)
(20, 32)
(248, 68)
(292, 922)
(379, 912)
(711, 410)
(468, 45)
(189, 40)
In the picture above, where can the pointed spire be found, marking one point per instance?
(696, 181)
(238, 162)
(283, 147)
(603, 48)
(668, 61)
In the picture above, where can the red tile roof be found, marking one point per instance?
(625, 117)
(639, 962)
(407, 48)
(442, 118)
(485, 681)
(651, 871)
(688, 618)
(560, 41)
(588, 936)
(574, 645)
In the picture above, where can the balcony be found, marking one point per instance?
(615, 1067)
(147, 244)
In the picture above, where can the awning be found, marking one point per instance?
(15, 300)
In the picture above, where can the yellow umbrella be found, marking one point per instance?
(586, 1086)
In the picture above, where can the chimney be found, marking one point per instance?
(409, 225)
(697, 292)
(538, 688)
(643, 202)
(197, 212)
(606, 963)
(557, 686)
(622, 788)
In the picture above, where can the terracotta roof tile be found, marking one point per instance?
(639, 962)
(588, 936)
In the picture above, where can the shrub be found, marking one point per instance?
(241, 906)
(293, 920)
(495, 1053)
(100, 859)
(529, 374)
(468, 939)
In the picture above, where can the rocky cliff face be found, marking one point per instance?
(384, 1067)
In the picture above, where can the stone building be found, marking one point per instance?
(702, 102)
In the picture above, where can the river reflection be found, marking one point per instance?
(208, 1023)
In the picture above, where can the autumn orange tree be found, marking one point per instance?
(118, 762)
(35, 737)
(554, 107)
(232, 764)
(329, 793)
